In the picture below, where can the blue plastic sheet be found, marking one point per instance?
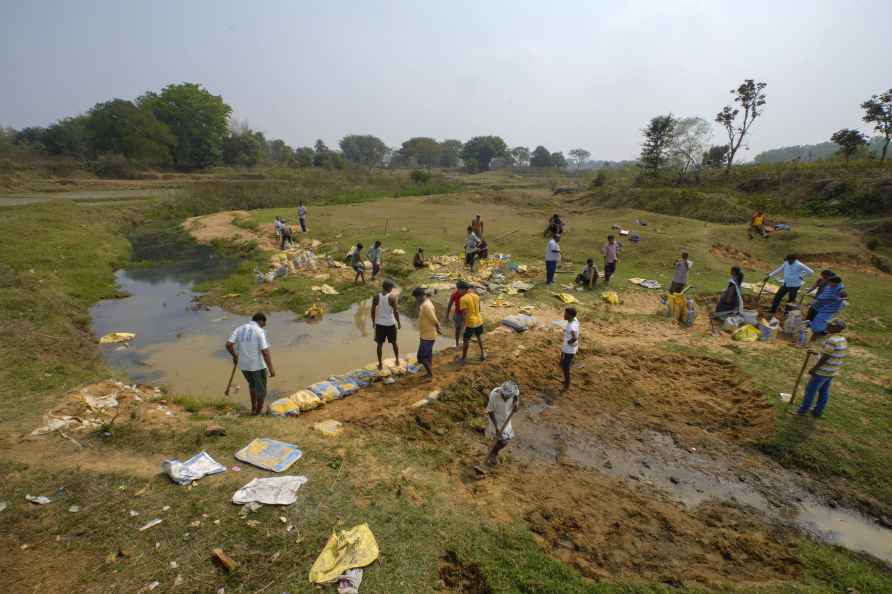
(269, 454)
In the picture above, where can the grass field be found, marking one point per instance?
(396, 478)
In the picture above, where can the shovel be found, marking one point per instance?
(231, 376)
(495, 443)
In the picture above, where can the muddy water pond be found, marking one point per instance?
(181, 345)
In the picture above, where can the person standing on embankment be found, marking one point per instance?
(794, 273)
(250, 351)
(302, 217)
(680, 277)
(386, 320)
(833, 352)
(552, 259)
(611, 256)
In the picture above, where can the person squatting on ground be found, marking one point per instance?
(680, 276)
(570, 345)
(757, 224)
(250, 351)
(428, 329)
(374, 255)
(611, 250)
(588, 278)
(357, 264)
(828, 302)
(458, 321)
(552, 258)
(302, 217)
(471, 243)
(555, 226)
(418, 260)
(794, 273)
(470, 311)
(500, 405)
(386, 320)
(731, 301)
(833, 352)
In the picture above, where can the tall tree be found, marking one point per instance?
(657, 141)
(878, 111)
(425, 151)
(280, 152)
(751, 97)
(716, 156)
(68, 137)
(119, 127)
(197, 119)
(479, 152)
(558, 160)
(580, 156)
(690, 140)
(540, 157)
(303, 156)
(521, 155)
(849, 142)
(366, 150)
(320, 146)
(241, 149)
(450, 153)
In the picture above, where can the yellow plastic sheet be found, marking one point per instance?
(305, 400)
(678, 306)
(746, 333)
(356, 547)
(610, 297)
(113, 337)
(283, 407)
(566, 297)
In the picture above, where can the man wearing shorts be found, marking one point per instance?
(374, 254)
(470, 311)
(250, 351)
(471, 244)
(570, 345)
(428, 329)
(611, 256)
(458, 321)
(386, 320)
(357, 264)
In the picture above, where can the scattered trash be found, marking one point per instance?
(133, 514)
(566, 297)
(178, 581)
(521, 286)
(277, 490)
(398, 252)
(350, 549)
(329, 428)
(519, 322)
(214, 430)
(228, 563)
(248, 508)
(196, 467)
(785, 396)
(113, 337)
(4, 505)
(269, 454)
(315, 311)
(154, 522)
(74, 509)
(152, 586)
(236, 469)
(349, 582)
(54, 424)
(325, 289)
(101, 402)
(38, 499)
(746, 333)
(611, 297)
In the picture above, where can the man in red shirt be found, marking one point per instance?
(458, 321)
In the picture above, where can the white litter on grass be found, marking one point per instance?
(154, 522)
(38, 499)
(103, 402)
(74, 509)
(276, 490)
(3, 505)
(196, 467)
(133, 513)
(785, 397)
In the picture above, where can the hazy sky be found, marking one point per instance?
(564, 74)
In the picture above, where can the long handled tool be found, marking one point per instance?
(231, 376)
(799, 379)
(495, 443)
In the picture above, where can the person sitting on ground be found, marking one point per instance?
(386, 321)
(588, 278)
(471, 244)
(374, 255)
(357, 264)
(483, 250)
(470, 311)
(731, 301)
(757, 224)
(570, 345)
(833, 352)
(477, 226)
(820, 283)
(458, 320)
(418, 260)
(680, 277)
(828, 303)
(250, 351)
(428, 330)
(555, 226)
(500, 405)
(794, 273)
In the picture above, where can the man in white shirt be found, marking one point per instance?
(570, 344)
(500, 407)
(794, 274)
(250, 351)
(552, 258)
(302, 217)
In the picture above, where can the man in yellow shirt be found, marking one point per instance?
(428, 329)
(469, 304)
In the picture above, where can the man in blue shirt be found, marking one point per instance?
(794, 273)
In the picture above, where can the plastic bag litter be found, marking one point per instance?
(349, 582)
(566, 297)
(519, 322)
(344, 551)
(54, 424)
(196, 467)
(101, 402)
(650, 284)
(732, 323)
(113, 337)
(329, 428)
(326, 391)
(325, 289)
(521, 285)
(768, 330)
(611, 297)
(398, 252)
(38, 499)
(269, 454)
(306, 400)
(276, 490)
(746, 333)
(284, 407)
(345, 385)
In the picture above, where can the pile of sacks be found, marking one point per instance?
(341, 386)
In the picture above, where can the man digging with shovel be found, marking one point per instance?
(501, 406)
(250, 351)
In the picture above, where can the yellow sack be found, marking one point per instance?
(284, 407)
(329, 428)
(746, 333)
(113, 337)
(351, 548)
(305, 400)
(610, 297)
(678, 306)
(566, 297)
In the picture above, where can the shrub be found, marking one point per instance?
(881, 263)
(600, 179)
(114, 167)
(419, 176)
(873, 243)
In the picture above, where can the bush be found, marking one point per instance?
(881, 263)
(600, 179)
(114, 167)
(419, 176)
(873, 243)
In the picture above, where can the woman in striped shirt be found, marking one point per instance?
(833, 353)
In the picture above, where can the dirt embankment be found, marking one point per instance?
(221, 226)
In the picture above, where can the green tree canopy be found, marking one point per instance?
(68, 137)
(657, 141)
(580, 156)
(304, 156)
(450, 153)
(521, 155)
(241, 149)
(425, 151)
(540, 157)
(119, 127)
(366, 150)
(558, 160)
(878, 111)
(849, 142)
(479, 152)
(197, 119)
(750, 96)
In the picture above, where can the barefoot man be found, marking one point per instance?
(428, 329)
(253, 358)
(386, 320)
(501, 404)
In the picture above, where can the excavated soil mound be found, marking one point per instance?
(735, 256)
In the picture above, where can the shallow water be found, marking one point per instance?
(181, 346)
